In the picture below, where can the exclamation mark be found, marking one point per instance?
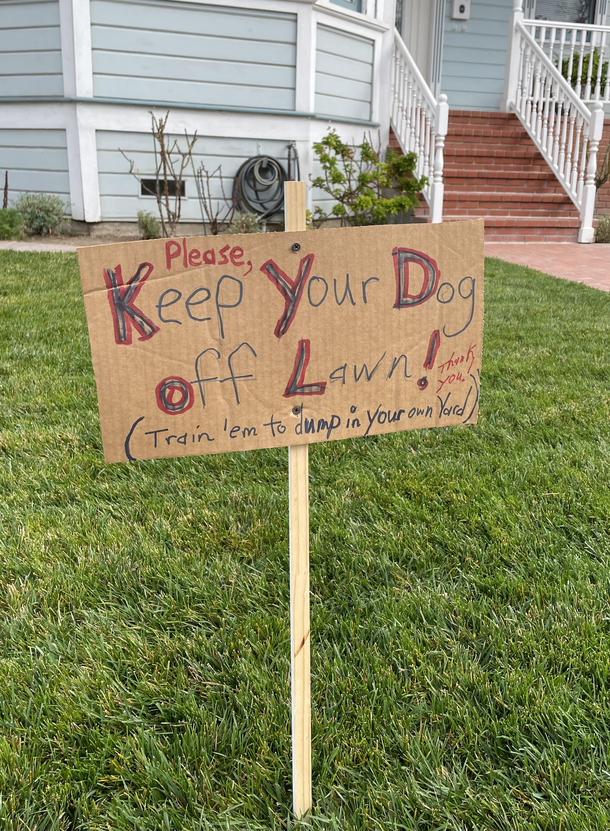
(433, 345)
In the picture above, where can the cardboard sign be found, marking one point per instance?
(215, 344)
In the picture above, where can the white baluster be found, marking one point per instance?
(587, 95)
(576, 156)
(562, 43)
(564, 132)
(582, 166)
(545, 110)
(520, 75)
(552, 142)
(586, 233)
(528, 87)
(581, 57)
(437, 186)
(568, 168)
(551, 52)
(598, 81)
(404, 102)
(571, 58)
(537, 114)
(427, 136)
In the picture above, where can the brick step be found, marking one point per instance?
(523, 170)
(477, 177)
(507, 210)
(480, 152)
(463, 184)
(456, 134)
(524, 229)
(463, 166)
(477, 116)
(511, 223)
(515, 198)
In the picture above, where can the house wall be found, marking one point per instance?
(194, 54)
(37, 161)
(417, 32)
(120, 195)
(474, 56)
(344, 74)
(284, 71)
(30, 49)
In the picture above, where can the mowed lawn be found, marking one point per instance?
(460, 597)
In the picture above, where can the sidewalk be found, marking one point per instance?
(589, 264)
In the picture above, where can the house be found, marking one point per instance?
(473, 87)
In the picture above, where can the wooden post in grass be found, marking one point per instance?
(298, 476)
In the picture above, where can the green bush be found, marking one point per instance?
(573, 79)
(244, 224)
(366, 190)
(42, 213)
(148, 225)
(602, 234)
(10, 224)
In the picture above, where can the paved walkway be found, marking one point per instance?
(589, 264)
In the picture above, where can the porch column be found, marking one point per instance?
(511, 75)
(77, 65)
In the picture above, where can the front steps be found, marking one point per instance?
(493, 170)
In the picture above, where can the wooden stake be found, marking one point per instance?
(298, 477)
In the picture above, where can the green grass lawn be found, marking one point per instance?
(460, 597)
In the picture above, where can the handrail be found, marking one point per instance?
(550, 66)
(420, 124)
(577, 47)
(565, 131)
(561, 24)
(414, 70)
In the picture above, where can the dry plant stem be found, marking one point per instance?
(170, 164)
(224, 213)
(5, 199)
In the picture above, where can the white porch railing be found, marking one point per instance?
(565, 131)
(580, 53)
(419, 122)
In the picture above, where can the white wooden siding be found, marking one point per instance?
(36, 160)
(120, 192)
(170, 51)
(474, 56)
(30, 49)
(344, 74)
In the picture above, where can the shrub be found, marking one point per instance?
(42, 213)
(573, 79)
(10, 224)
(148, 225)
(244, 224)
(602, 234)
(367, 191)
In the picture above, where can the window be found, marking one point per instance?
(354, 5)
(566, 11)
(148, 186)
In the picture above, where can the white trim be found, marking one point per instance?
(77, 202)
(352, 21)
(82, 48)
(66, 27)
(379, 104)
(283, 6)
(305, 83)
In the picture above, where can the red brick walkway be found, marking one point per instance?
(589, 264)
